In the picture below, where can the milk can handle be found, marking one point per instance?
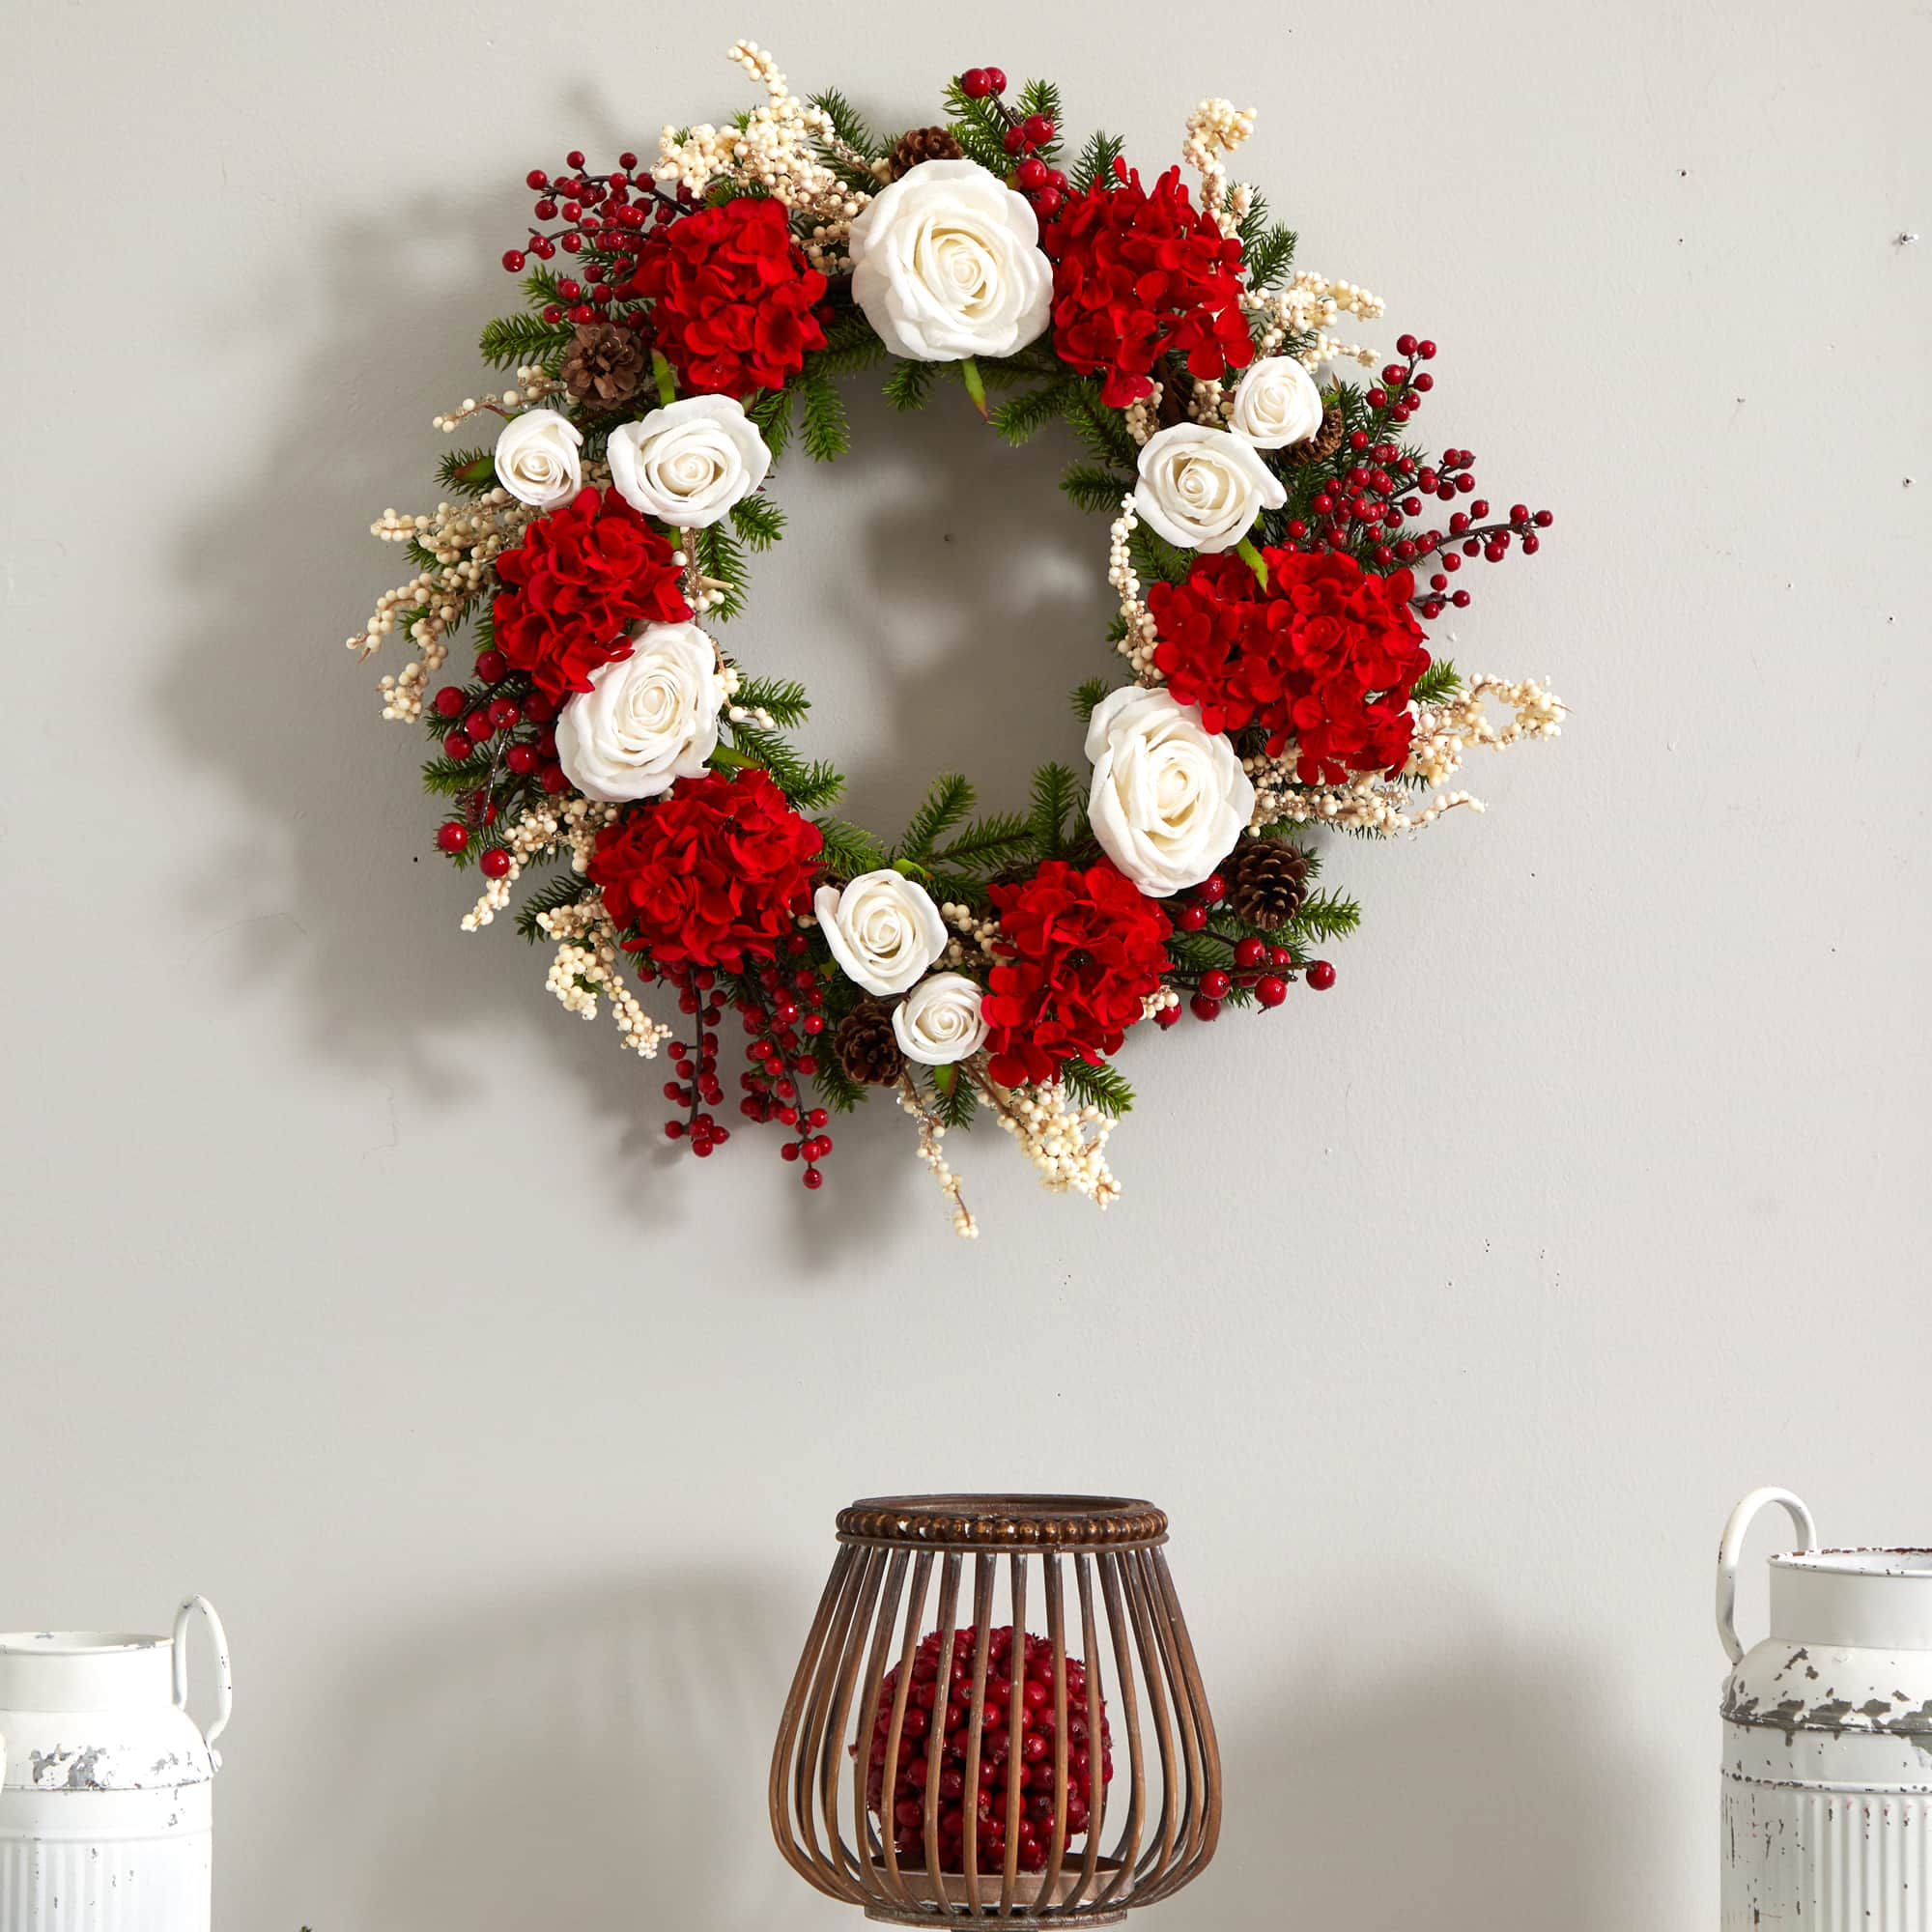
(1733, 1543)
(224, 1683)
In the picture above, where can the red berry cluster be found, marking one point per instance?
(1371, 503)
(605, 217)
(780, 1011)
(1005, 1759)
(1265, 969)
(502, 716)
(1029, 139)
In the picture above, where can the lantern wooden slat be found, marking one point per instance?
(899, 1581)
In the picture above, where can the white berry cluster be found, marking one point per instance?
(1065, 1143)
(1138, 644)
(588, 962)
(776, 150)
(931, 1132)
(1214, 128)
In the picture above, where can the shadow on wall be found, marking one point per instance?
(1471, 1792)
(601, 1759)
(330, 882)
(597, 1760)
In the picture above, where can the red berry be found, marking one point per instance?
(1191, 917)
(813, 1179)
(457, 747)
(448, 701)
(1038, 129)
(1320, 975)
(552, 779)
(1047, 201)
(1167, 1016)
(1404, 345)
(503, 715)
(536, 179)
(452, 838)
(1215, 984)
(1271, 990)
(513, 260)
(575, 158)
(1032, 173)
(492, 666)
(522, 759)
(974, 83)
(1213, 888)
(996, 80)
(1013, 139)
(1249, 951)
(1204, 1009)
(496, 863)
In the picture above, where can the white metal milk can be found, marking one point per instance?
(105, 1780)
(1827, 1816)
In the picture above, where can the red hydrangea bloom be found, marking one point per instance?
(1137, 276)
(1079, 950)
(579, 581)
(1327, 655)
(734, 296)
(715, 870)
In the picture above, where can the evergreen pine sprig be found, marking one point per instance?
(758, 522)
(512, 340)
(1087, 696)
(781, 700)
(825, 432)
(467, 472)
(849, 849)
(955, 1099)
(721, 559)
(946, 803)
(910, 385)
(1099, 1085)
(1056, 795)
(1095, 166)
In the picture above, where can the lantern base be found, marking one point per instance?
(1067, 1900)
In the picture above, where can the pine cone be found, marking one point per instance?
(1266, 882)
(866, 1046)
(604, 367)
(1323, 444)
(923, 143)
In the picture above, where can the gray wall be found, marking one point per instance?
(348, 1281)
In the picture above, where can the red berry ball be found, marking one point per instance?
(1191, 917)
(536, 179)
(1167, 1016)
(552, 779)
(1032, 173)
(1047, 201)
(452, 838)
(575, 158)
(1013, 140)
(996, 80)
(492, 666)
(522, 759)
(1213, 888)
(457, 747)
(448, 701)
(1271, 990)
(1320, 975)
(1215, 984)
(1249, 952)
(1204, 1009)
(975, 83)
(496, 863)
(1038, 129)
(813, 1179)
(513, 260)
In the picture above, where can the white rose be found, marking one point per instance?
(1170, 797)
(1276, 403)
(939, 1021)
(690, 462)
(647, 720)
(1203, 488)
(946, 264)
(883, 929)
(537, 460)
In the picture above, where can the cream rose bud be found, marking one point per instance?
(537, 459)
(689, 462)
(1276, 403)
(883, 929)
(647, 720)
(1170, 797)
(939, 1021)
(946, 264)
(1203, 488)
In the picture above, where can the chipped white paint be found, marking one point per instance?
(106, 1781)
(1828, 1738)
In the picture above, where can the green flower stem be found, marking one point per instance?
(976, 386)
(667, 383)
(1253, 558)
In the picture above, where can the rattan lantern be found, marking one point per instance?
(1029, 1651)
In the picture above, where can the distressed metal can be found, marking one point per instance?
(105, 1780)
(1826, 1812)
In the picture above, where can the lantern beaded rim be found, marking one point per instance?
(1002, 1522)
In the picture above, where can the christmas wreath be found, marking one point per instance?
(1277, 543)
